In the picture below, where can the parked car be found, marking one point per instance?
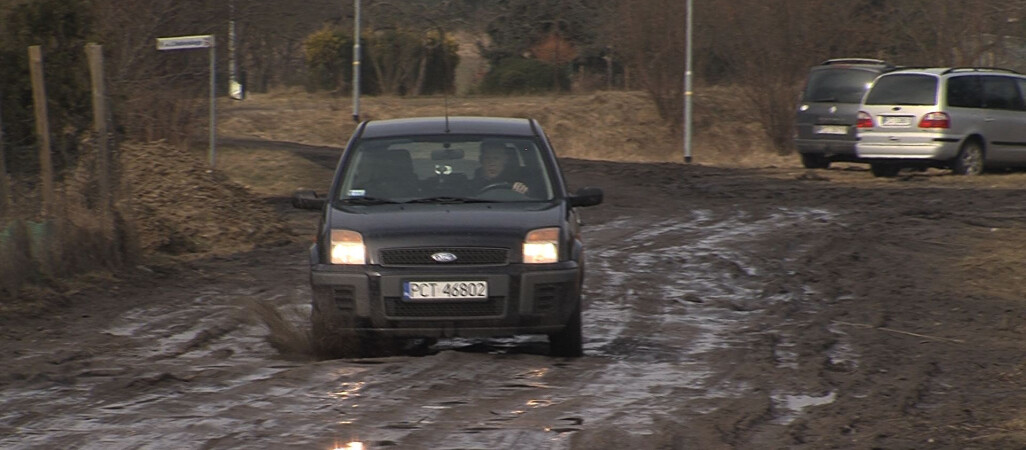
(825, 121)
(417, 240)
(963, 118)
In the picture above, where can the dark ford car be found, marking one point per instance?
(448, 227)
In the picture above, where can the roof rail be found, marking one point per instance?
(855, 61)
(978, 69)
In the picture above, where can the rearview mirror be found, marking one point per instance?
(586, 196)
(446, 154)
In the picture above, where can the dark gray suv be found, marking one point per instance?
(448, 227)
(825, 121)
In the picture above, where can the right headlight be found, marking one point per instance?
(347, 247)
(541, 246)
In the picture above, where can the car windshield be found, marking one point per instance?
(837, 85)
(445, 169)
(903, 89)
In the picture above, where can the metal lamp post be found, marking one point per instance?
(356, 62)
(687, 89)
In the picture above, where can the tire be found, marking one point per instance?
(570, 341)
(374, 346)
(815, 161)
(884, 169)
(969, 160)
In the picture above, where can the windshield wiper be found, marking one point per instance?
(367, 201)
(448, 199)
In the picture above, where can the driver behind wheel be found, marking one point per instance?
(499, 167)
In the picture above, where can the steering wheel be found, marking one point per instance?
(494, 186)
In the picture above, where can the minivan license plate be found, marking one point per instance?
(445, 290)
(896, 121)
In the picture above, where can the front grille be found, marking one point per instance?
(464, 256)
(493, 307)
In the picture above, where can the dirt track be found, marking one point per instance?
(727, 308)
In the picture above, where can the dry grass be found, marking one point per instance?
(607, 125)
(272, 173)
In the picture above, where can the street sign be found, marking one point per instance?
(185, 42)
(194, 42)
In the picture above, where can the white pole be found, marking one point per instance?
(234, 88)
(213, 113)
(356, 62)
(687, 90)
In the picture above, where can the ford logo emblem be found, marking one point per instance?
(443, 257)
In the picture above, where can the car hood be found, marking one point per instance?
(444, 225)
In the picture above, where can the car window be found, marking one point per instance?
(1021, 83)
(965, 92)
(1001, 93)
(837, 85)
(413, 168)
(903, 89)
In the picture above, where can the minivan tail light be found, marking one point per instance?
(935, 120)
(863, 120)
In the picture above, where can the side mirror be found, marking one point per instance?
(307, 199)
(586, 196)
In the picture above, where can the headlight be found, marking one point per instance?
(347, 247)
(542, 246)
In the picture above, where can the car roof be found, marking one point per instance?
(867, 64)
(939, 71)
(507, 126)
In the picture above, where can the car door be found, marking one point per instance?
(1003, 119)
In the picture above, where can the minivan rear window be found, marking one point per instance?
(837, 85)
(903, 89)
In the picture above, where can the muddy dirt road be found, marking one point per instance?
(726, 308)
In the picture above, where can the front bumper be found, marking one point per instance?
(523, 299)
(842, 148)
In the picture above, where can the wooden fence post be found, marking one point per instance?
(5, 186)
(95, 54)
(42, 129)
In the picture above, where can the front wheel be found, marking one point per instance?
(570, 341)
(969, 160)
(815, 161)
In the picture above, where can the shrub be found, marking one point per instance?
(517, 75)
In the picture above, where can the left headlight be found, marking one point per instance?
(541, 246)
(347, 247)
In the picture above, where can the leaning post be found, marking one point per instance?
(94, 52)
(42, 128)
(5, 186)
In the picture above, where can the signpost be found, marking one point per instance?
(194, 42)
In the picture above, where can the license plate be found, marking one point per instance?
(831, 129)
(445, 290)
(895, 121)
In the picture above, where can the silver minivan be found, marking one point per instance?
(962, 118)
